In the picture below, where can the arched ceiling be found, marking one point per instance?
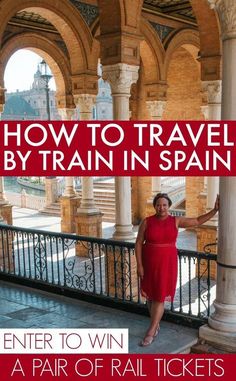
(178, 9)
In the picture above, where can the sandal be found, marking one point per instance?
(148, 339)
(157, 331)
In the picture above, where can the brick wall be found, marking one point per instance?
(184, 88)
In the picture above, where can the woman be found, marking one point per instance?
(156, 257)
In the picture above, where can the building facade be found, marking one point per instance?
(32, 104)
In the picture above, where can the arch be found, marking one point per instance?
(208, 28)
(210, 42)
(152, 53)
(126, 15)
(186, 38)
(59, 65)
(66, 19)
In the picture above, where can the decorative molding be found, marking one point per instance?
(156, 109)
(162, 30)
(226, 10)
(85, 102)
(120, 76)
(213, 90)
(62, 47)
(88, 12)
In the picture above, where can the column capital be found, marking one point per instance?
(212, 91)
(226, 10)
(120, 76)
(85, 102)
(156, 109)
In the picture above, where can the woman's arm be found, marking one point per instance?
(138, 248)
(184, 222)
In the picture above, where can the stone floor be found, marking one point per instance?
(23, 307)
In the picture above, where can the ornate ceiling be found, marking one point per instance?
(176, 8)
(179, 9)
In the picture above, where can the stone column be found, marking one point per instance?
(69, 187)
(85, 103)
(156, 110)
(51, 190)
(89, 217)
(207, 233)
(5, 206)
(226, 10)
(51, 181)
(69, 201)
(221, 330)
(121, 76)
(2, 192)
(212, 93)
(66, 113)
(212, 191)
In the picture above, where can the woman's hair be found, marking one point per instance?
(162, 195)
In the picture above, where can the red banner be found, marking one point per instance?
(120, 148)
(117, 367)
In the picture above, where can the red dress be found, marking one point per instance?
(159, 258)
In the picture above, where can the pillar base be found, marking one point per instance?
(6, 212)
(88, 225)
(226, 341)
(123, 233)
(69, 206)
(224, 317)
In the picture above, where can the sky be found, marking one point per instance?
(20, 70)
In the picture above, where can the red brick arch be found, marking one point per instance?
(186, 38)
(208, 27)
(152, 53)
(58, 63)
(67, 21)
(210, 42)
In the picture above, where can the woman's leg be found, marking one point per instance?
(156, 313)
